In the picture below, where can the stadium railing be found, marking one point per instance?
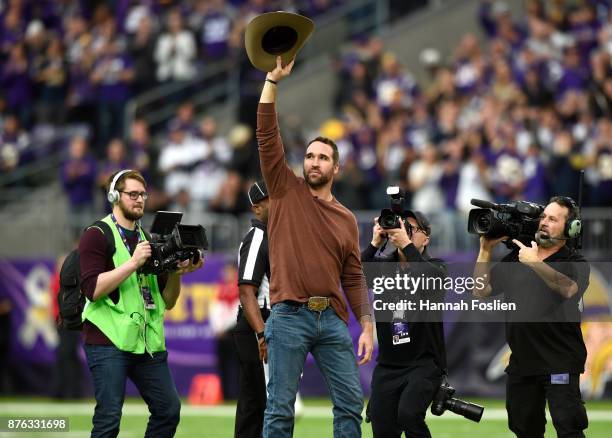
(40, 236)
(219, 82)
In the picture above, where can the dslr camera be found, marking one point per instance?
(390, 217)
(444, 400)
(173, 242)
(517, 220)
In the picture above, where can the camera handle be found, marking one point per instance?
(509, 244)
(444, 378)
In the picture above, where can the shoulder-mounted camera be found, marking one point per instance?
(173, 242)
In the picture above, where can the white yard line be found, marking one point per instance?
(140, 410)
(71, 434)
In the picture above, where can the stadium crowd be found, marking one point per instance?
(516, 115)
(69, 67)
(513, 117)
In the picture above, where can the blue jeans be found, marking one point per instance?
(110, 368)
(291, 332)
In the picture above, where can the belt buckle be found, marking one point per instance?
(318, 304)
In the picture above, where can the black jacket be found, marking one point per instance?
(547, 339)
(426, 338)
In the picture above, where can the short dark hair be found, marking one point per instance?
(567, 202)
(120, 184)
(329, 142)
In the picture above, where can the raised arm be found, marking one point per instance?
(483, 266)
(563, 284)
(274, 168)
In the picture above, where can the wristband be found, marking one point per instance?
(260, 335)
(271, 81)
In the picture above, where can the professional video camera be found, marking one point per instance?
(517, 220)
(173, 242)
(444, 400)
(390, 217)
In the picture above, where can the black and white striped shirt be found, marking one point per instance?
(254, 263)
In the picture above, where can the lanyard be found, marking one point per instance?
(122, 233)
(141, 278)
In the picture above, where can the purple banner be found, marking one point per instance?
(206, 311)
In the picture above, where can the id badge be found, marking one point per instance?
(399, 333)
(559, 379)
(148, 297)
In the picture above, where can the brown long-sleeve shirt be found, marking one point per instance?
(314, 244)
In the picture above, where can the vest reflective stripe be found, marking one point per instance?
(127, 324)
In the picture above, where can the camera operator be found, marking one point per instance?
(547, 356)
(123, 318)
(411, 362)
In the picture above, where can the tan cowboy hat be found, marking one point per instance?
(276, 33)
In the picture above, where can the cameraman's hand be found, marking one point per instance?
(141, 254)
(280, 72)
(187, 266)
(378, 234)
(399, 236)
(527, 254)
(487, 244)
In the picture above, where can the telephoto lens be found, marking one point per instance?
(465, 409)
(443, 400)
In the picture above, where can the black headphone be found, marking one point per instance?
(573, 224)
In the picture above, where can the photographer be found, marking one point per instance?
(123, 318)
(412, 356)
(548, 355)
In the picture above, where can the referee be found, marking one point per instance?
(253, 282)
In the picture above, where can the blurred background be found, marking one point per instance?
(449, 99)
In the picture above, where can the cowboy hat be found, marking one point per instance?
(276, 33)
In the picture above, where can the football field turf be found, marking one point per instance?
(218, 421)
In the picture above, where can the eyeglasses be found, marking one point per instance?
(412, 229)
(134, 195)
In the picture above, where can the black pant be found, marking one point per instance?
(68, 378)
(5, 344)
(252, 396)
(227, 365)
(400, 397)
(526, 401)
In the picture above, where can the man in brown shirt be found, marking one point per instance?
(314, 250)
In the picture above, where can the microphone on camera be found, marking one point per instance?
(484, 204)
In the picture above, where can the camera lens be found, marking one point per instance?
(387, 221)
(483, 223)
(384, 223)
(468, 410)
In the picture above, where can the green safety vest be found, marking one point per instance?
(128, 325)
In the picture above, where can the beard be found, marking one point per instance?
(318, 180)
(131, 215)
(545, 240)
